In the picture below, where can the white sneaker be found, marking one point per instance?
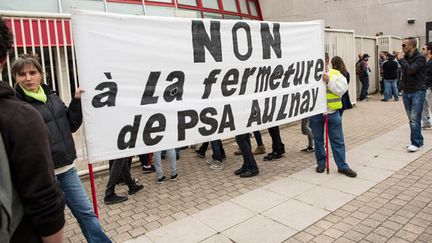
(412, 148)
(218, 165)
(210, 161)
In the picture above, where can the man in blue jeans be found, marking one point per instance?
(413, 65)
(336, 85)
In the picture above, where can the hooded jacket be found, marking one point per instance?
(27, 144)
(61, 122)
(413, 72)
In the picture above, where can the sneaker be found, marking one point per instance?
(239, 171)
(200, 154)
(259, 150)
(148, 168)
(210, 161)
(112, 199)
(364, 100)
(238, 152)
(348, 172)
(412, 148)
(162, 179)
(174, 177)
(135, 188)
(218, 165)
(308, 149)
(273, 156)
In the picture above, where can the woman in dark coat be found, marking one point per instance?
(338, 64)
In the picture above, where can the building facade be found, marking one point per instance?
(366, 17)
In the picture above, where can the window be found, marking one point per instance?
(230, 5)
(243, 6)
(67, 5)
(210, 4)
(253, 8)
(160, 11)
(188, 2)
(227, 16)
(207, 15)
(31, 5)
(162, 1)
(125, 8)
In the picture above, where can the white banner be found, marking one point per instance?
(155, 83)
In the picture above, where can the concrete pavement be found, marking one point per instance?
(285, 202)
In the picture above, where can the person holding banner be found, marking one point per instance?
(61, 121)
(336, 85)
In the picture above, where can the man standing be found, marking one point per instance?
(362, 70)
(427, 52)
(389, 73)
(413, 65)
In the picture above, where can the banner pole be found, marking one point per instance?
(326, 143)
(93, 190)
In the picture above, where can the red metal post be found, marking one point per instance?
(93, 190)
(326, 143)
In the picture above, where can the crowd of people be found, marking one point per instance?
(37, 143)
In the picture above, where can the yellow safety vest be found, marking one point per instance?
(334, 102)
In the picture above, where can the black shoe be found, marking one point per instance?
(384, 100)
(200, 154)
(239, 171)
(249, 173)
(148, 168)
(112, 199)
(308, 149)
(174, 177)
(320, 169)
(273, 156)
(162, 179)
(348, 172)
(177, 156)
(135, 188)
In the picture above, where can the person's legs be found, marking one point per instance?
(81, 207)
(277, 145)
(217, 156)
(158, 164)
(316, 124)
(258, 138)
(394, 89)
(428, 99)
(364, 88)
(172, 161)
(425, 119)
(249, 167)
(417, 102)
(387, 89)
(115, 175)
(337, 140)
(306, 130)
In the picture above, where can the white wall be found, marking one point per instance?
(366, 17)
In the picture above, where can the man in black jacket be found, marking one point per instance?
(413, 65)
(389, 73)
(28, 149)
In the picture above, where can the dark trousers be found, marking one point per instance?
(243, 141)
(203, 147)
(119, 169)
(364, 89)
(277, 145)
(218, 150)
(258, 138)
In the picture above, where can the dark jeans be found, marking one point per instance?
(218, 151)
(364, 89)
(258, 138)
(277, 145)
(203, 147)
(144, 159)
(119, 169)
(243, 141)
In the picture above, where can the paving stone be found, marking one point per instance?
(354, 235)
(388, 233)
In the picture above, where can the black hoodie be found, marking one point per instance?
(28, 148)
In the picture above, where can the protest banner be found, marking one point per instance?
(154, 83)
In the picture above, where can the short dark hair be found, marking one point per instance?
(6, 40)
(429, 46)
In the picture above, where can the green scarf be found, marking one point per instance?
(40, 95)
